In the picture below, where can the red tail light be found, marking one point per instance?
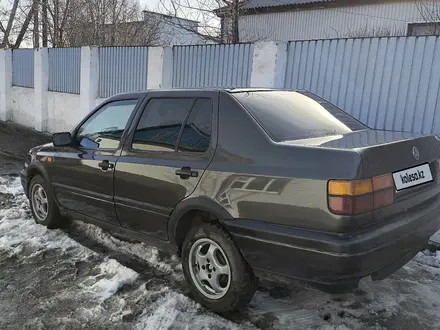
(350, 197)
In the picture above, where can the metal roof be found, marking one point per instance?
(275, 3)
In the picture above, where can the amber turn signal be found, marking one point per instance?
(351, 197)
(349, 188)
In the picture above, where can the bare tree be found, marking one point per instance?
(207, 13)
(71, 23)
(44, 22)
(108, 23)
(430, 13)
(194, 16)
(16, 15)
(219, 20)
(74, 23)
(36, 31)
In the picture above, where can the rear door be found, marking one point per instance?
(170, 145)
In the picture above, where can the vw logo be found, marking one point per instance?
(416, 153)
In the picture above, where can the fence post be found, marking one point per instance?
(155, 67)
(281, 65)
(41, 84)
(167, 76)
(5, 84)
(266, 64)
(89, 78)
(160, 67)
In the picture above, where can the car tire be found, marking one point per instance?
(42, 204)
(219, 276)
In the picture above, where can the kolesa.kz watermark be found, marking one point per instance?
(412, 177)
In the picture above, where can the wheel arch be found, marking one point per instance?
(183, 216)
(35, 169)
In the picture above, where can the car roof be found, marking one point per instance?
(228, 90)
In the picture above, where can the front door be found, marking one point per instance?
(163, 159)
(83, 173)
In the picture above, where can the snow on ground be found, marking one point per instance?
(435, 239)
(85, 278)
(149, 254)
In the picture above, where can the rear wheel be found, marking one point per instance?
(220, 278)
(43, 207)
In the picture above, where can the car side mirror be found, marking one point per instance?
(62, 139)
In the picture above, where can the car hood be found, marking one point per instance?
(41, 147)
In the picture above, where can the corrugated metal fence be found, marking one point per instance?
(122, 69)
(212, 65)
(387, 83)
(23, 67)
(65, 70)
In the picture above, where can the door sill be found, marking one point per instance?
(127, 234)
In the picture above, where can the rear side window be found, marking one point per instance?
(290, 115)
(159, 126)
(196, 134)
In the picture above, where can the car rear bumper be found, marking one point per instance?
(333, 259)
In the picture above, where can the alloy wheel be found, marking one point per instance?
(40, 204)
(209, 268)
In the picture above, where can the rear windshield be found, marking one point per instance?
(291, 115)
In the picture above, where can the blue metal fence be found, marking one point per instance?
(387, 83)
(65, 70)
(122, 69)
(212, 65)
(23, 67)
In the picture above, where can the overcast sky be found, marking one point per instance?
(151, 4)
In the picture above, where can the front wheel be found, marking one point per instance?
(43, 206)
(220, 278)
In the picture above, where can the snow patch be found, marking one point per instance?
(176, 311)
(435, 239)
(429, 258)
(11, 187)
(140, 250)
(107, 287)
(19, 232)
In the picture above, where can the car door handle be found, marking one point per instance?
(105, 165)
(186, 173)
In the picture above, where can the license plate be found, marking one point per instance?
(412, 177)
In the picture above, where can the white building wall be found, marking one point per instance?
(173, 33)
(63, 112)
(340, 22)
(23, 106)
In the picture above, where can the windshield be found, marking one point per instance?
(290, 115)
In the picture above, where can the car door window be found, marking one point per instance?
(159, 126)
(106, 126)
(196, 135)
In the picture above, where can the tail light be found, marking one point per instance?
(350, 197)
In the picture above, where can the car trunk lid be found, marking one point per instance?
(410, 158)
(382, 151)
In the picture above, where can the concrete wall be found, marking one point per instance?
(51, 111)
(23, 106)
(63, 112)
